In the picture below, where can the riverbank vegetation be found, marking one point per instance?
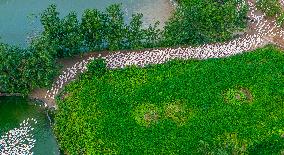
(197, 22)
(194, 23)
(22, 70)
(229, 106)
(96, 31)
(272, 8)
(217, 106)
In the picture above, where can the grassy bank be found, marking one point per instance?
(230, 105)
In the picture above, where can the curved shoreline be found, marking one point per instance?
(263, 32)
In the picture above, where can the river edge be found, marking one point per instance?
(50, 115)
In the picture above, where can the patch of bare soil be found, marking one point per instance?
(39, 94)
(151, 116)
(247, 94)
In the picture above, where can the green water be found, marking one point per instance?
(19, 18)
(14, 110)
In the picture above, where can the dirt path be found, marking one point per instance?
(262, 32)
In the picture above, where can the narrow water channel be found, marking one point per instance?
(19, 20)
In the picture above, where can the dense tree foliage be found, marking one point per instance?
(63, 35)
(193, 23)
(269, 7)
(198, 22)
(217, 106)
(272, 8)
(25, 69)
(97, 30)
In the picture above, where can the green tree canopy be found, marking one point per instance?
(198, 22)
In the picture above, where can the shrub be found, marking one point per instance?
(93, 29)
(96, 31)
(63, 35)
(25, 69)
(198, 22)
(97, 67)
(269, 7)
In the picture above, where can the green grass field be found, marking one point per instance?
(233, 105)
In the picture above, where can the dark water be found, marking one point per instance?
(14, 110)
(18, 18)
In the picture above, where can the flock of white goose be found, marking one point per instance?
(18, 141)
(265, 29)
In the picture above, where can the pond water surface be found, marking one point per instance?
(19, 20)
(15, 110)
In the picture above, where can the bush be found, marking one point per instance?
(197, 22)
(93, 29)
(25, 69)
(96, 31)
(63, 35)
(97, 68)
(270, 7)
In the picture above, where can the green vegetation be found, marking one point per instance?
(270, 7)
(22, 70)
(198, 22)
(25, 69)
(194, 22)
(97, 31)
(218, 106)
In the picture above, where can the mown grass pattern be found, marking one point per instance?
(97, 115)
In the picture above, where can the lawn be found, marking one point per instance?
(232, 105)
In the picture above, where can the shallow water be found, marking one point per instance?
(19, 20)
(14, 110)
